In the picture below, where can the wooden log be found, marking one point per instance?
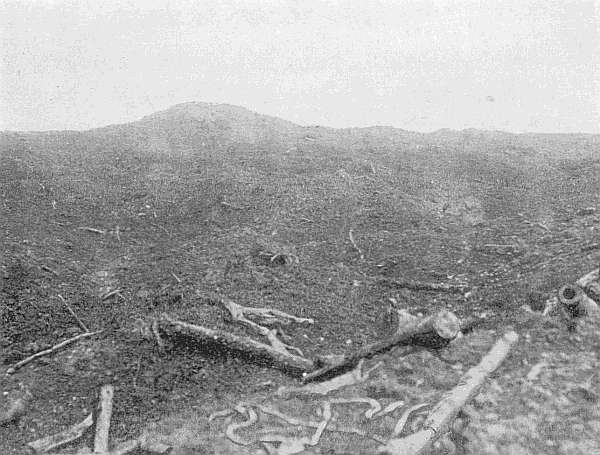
(433, 331)
(284, 360)
(569, 296)
(420, 286)
(576, 302)
(103, 419)
(64, 437)
(441, 417)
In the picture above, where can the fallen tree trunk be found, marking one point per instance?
(420, 286)
(281, 359)
(440, 418)
(434, 331)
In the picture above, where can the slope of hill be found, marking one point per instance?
(183, 199)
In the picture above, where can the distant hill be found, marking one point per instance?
(497, 172)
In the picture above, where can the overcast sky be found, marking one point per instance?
(515, 65)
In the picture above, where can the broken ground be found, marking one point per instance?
(184, 201)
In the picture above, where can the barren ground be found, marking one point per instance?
(186, 198)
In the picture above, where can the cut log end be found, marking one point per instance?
(446, 325)
(569, 295)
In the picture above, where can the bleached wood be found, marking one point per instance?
(103, 419)
(442, 415)
(64, 437)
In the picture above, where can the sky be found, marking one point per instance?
(513, 65)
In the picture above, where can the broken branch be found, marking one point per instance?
(433, 330)
(64, 437)
(442, 415)
(283, 360)
(356, 376)
(49, 351)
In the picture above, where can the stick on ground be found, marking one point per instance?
(439, 420)
(64, 437)
(51, 350)
(420, 286)
(103, 419)
(354, 245)
(430, 330)
(79, 321)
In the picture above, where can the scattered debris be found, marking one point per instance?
(390, 408)
(112, 293)
(536, 370)
(356, 376)
(231, 206)
(290, 446)
(280, 258)
(94, 230)
(252, 418)
(51, 350)
(101, 438)
(354, 245)
(374, 406)
(244, 409)
(439, 420)
(399, 427)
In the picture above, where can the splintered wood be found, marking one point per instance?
(442, 415)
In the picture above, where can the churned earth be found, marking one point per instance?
(180, 205)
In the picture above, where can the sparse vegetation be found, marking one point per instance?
(203, 199)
